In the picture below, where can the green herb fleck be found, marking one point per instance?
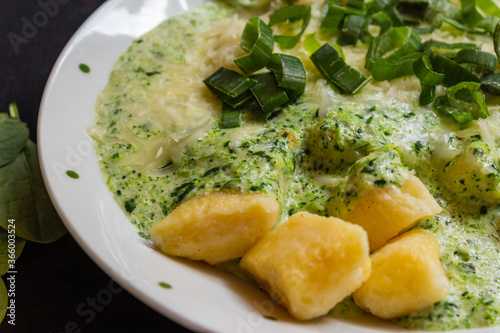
(418, 146)
(380, 182)
(144, 235)
(84, 68)
(165, 285)
(72, 174)
(130, 205)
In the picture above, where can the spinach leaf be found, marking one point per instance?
(25, 198)
(4, 250)
(3, 300)
(13, 137)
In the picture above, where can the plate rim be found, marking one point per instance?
(105, 266)
(179, 317)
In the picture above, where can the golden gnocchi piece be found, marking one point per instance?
(216, 227)
(407, 276)
(310, 263)
(387, 211)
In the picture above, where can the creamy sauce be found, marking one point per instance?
(159, 143)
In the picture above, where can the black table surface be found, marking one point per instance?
(57, 284)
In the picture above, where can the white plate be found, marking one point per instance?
(201, 298)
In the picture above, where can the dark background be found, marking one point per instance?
(53, 280)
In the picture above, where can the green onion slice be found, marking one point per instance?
(422, 68)
(443, 106)
(406, 38)
(435, 45)
(351, 30)
(453, 72)
(491, 83)
(489, 7)
(429, 79)
(439, 18)
(289, 71)
(496, 41)
(478, 61)
(396, 18)
(291, 13)
(269, 95)
(382, 20)
(257, 40)
(231, 117)
(355, 4)
(402, 45)
(231, 87)
(330, 64)
(333, 16)
(379, 18)
(311, 43)
(489, 24)
(379, 5)
(414, 10)
(387, 69)
(469, 12)
(352, 6)
(428, 94)
(466, 96)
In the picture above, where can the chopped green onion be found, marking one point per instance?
(339, 50)
(489, 7)
(405, 37)
(355, 4)
(330, 64)
(231, 117)
(381, 19)
(413, 10)
(351, 30)
(422, 68)
(491, 83)
(443, 106)
(379, 5)
(387, 69)
(466, 96)
(469, 12)
(291, 13)
(428, 79)
(396, 18)
(441, 18)
(289, 72)
(496, 41)
(292, 94)
(355, 7)
(257, 40)
(435, 44)
(428, 94)
(269, 95)
(333, 16)
(231, 87)
(453, 72)
(489, 24)
(311, 43)
(478, 61)
(400, 62)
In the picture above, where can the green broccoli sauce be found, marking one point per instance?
(306, 159)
